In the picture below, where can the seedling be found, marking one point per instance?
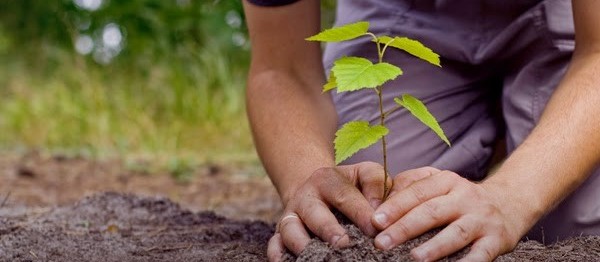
(357, 73)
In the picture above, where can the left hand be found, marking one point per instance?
(426, 198)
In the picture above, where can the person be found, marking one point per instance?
(519, 54)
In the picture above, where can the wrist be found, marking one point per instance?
(287, 194)
(516, 202)
(288, 190)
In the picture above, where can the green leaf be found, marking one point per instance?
(354, 73)
(341, 33)
(419, 110)
(412, 47)
(354, 136)
(331, 83)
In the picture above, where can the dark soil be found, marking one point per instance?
(118, 227)
(362, 249)
(41, 221)
(123, 227)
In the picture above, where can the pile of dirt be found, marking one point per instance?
(126, 227)
(123, 227)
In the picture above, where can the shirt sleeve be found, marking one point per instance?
(272, 2)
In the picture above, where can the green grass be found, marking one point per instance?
(189, 107)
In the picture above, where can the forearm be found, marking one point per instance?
(563, 148)
(293, 123)
(293, 130)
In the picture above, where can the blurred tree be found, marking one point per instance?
(162, 76)
(137, 31)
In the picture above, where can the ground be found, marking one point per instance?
(37, 181)
(52, 209)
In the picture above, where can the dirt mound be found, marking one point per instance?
(120, 227)
(125, 227)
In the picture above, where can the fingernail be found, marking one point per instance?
(381, 219)
(384, 241)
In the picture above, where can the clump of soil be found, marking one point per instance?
(576, 249)
(123, 227)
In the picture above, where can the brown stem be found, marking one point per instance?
(382, 115)
(386, 190)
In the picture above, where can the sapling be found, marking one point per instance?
(357, 73)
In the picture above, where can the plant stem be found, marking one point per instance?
(382, 115)
(386, 190)
(392, 110)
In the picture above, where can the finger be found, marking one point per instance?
(484, 249)
(275, 248)
(419, 192)
(319, 219)
(429, 215)
(370, 179)
(453, 238)
(293, 234)
(408, 177)
(346, 198)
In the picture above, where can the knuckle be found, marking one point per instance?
(462, 232)
(508, 239)
(305, 208)
(323, 178)
(372, 166)
(450, 176)
(401, 230)
(327, 230)
(283, 225)
(432, 210)
(489, 211)
(487, 253)
(431, 170)
(418, 193)
(342, 196)
(321, 173)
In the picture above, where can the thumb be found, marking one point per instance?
(371, 180)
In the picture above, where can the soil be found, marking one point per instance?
(57, 209)
(362, 249)
(122, 227)
(36, 181)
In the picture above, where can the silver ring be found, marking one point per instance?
(293, 215)
(289, 216)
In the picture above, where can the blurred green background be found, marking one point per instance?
(151, 78)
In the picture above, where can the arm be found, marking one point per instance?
(568, 129)
(294, 123)
(505, 206)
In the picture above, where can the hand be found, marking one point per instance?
(354, 190)
(426, 198)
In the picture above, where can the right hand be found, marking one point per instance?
(354, 190)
